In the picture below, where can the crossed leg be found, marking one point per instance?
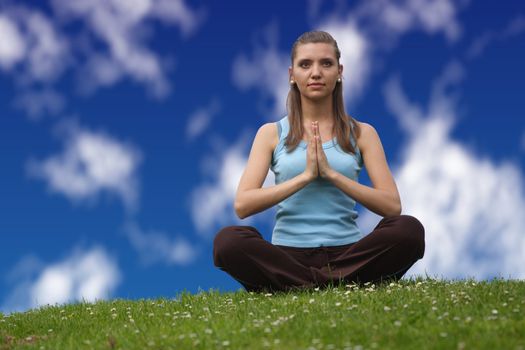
(394, 245)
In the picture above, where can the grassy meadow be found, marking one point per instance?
(422, 313)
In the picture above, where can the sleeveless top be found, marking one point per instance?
(319, 214)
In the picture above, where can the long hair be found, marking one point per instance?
(344, 125)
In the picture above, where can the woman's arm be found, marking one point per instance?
(251, 198)
(383, 198)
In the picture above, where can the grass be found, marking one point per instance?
(421, 313)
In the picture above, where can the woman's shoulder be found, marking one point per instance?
(270, 134)
(367, 133)
(364, 127)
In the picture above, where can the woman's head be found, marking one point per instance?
(316, 74)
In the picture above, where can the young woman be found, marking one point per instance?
(316, 153)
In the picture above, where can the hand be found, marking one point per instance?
(322, 161)
(311, 171)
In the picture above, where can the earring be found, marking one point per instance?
(338, 80)
(292, 82)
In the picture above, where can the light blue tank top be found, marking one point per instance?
(319, 214)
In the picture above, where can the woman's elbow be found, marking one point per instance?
(395, 210)
(239, 210)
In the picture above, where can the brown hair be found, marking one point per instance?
(344, 125)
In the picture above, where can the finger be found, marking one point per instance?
(319, 146)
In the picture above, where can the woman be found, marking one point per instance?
(316, 153)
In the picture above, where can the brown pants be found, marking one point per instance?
(394, 245)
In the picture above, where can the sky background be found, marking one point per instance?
(125, 126)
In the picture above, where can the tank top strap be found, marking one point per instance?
(282, 127)
(356, 147)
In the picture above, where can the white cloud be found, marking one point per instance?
(102, 70)
(469, 213)
(201, 119)
(102, 41)
(515, 27)
(177, 12)
(266, 71)
(84, 275)
(48, 56)
(411, 117)
(156, 247)
(435, 16)
(120, 26)
(38, 103)
(393, 19)
(91, 163)
(115, 23)
(12, 45)
(32, 39)
(212, 202)
(480, 44)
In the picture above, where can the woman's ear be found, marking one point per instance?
(341, 70)
(290, 73)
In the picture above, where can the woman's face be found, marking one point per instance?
(315, 70)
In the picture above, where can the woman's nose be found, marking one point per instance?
(316, 71)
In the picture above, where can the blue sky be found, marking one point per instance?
(125, 127)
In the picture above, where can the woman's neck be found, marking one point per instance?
(322, 111)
